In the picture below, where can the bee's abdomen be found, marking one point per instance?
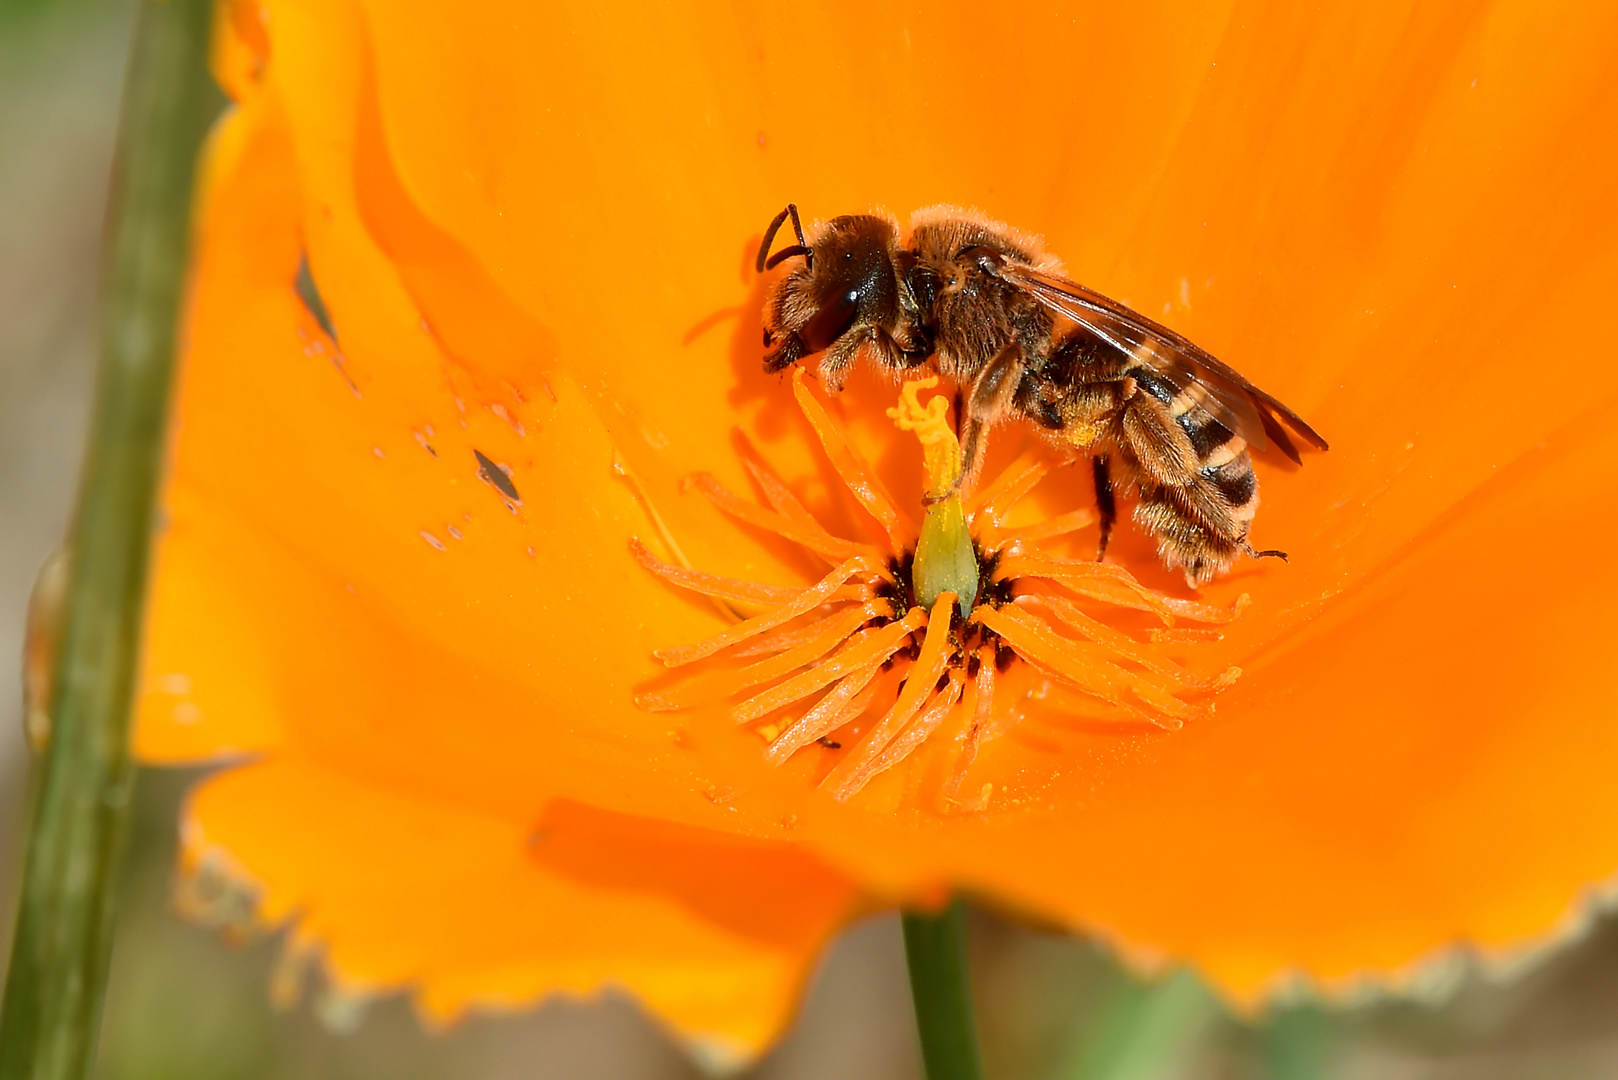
(1185, 539)
(1223, 465)
(1200, 525)
(1235, 482)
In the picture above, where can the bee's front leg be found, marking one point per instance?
(838, 360)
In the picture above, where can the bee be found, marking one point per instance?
(989, 309)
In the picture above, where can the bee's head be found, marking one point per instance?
(845, 287)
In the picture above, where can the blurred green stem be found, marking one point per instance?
(935, 946)
(1299, 1044)
(79, 800)
(1144, 1032)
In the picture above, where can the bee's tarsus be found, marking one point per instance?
(1268, 553)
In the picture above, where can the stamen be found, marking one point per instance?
(1201, 612)
(1069, 710)
(966, 742)
(1082, 664)
(916, 733)
(866, 647)
(1070, 522)
(854, 770)
(1117, 641)
(745, 592)
(1082, 576)
(792, 636)
(1017, 480)
(785, 503)
(815, 539)
(861, 481)
(848, 699)
(621, 469)
(722, 684)
(1187, 636)
(780, 496)
(801, 604)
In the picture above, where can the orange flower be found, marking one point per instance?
(931, 621)
(398, 586)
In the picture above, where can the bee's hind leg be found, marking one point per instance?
(1106, 504)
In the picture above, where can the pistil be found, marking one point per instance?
(946, 559)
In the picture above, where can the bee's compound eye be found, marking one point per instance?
(831, 321)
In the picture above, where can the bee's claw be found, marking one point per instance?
(932, 498)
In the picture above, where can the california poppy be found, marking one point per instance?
(474, 301)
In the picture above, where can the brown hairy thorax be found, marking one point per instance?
(988, 308)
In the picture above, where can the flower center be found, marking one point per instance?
(871, 668)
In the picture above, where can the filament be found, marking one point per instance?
(745, 592)
(801, 604)
(853, 470)
(868, 646)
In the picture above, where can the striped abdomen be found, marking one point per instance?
(1198, 493)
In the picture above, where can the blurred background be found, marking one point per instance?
(184, 1003)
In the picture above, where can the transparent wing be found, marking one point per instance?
(1225, 394)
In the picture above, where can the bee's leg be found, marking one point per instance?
(838, 360)
(988, 400)
(1106, 505)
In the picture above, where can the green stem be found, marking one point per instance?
(935, 946)
(79, 801)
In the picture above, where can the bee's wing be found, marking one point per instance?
(1229, 398)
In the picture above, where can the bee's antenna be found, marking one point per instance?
(769, 262)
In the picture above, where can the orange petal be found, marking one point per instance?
(713, 934)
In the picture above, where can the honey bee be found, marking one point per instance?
(992, 311)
